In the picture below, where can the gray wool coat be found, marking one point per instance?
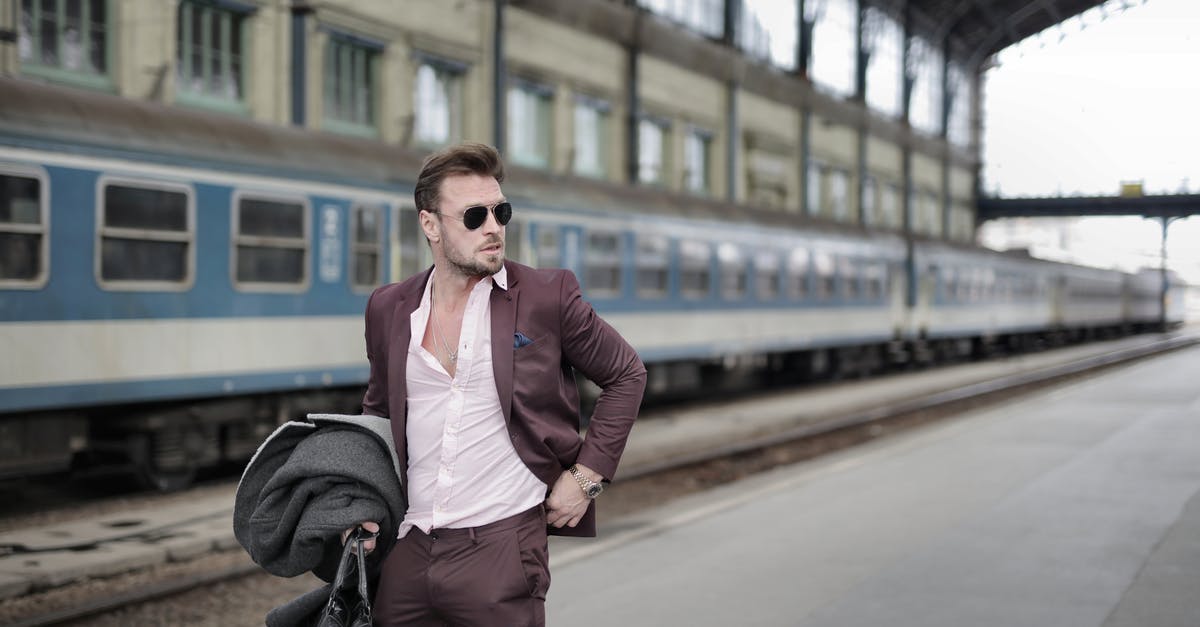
(306, 484)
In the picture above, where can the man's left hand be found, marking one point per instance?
(567, 503)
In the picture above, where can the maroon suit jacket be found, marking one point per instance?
(535, 381)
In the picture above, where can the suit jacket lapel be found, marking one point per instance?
(504, 326)
(398, 366)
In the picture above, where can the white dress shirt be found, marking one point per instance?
(462, 468)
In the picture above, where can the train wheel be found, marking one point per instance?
(166, 463)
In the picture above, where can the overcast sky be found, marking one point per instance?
(1096, 102)
(1076, 110)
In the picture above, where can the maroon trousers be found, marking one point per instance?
(495, 574)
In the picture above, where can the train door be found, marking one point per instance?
(897, 290)
(923, 309)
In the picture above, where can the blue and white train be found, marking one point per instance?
(174, 283)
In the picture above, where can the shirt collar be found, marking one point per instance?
(499, 279)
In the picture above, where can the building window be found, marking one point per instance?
(884, 37)
(366, 249)
(697, 159)
(529, 121)
(65, 39)
(839, 194)
(889, 208)
(209, 62)
(703, 16)
(350, 84)
(602, 263)
(437, 103)
(812, 188)
(23, 222)
(652, 137)
(653, 256)
(146, 234)
(867, 200)
(271, 240)
(591, 137)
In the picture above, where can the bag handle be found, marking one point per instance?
(354, 544)
(360, 537)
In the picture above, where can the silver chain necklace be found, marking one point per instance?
(452, 355)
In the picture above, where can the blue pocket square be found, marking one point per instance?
(520, 340)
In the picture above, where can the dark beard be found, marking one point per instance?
(471, 267)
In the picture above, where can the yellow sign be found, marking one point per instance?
(1131, 190)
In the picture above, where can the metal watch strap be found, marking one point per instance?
(587, 485)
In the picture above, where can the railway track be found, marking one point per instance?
(641, 486)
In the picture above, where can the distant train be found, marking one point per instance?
(174, 283)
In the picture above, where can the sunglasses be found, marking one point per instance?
(474, 217)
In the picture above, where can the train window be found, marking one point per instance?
(22, 231)
(824, 268)
(514, 240)
(602, 263)
(366, 247)
(548, 253)
(873, 277)
(851, 286)
(412, 242)
(272, 240)
(695, 269)
(767, 278)
(652, 261)
(146, 234)
(733, 272)
(798, 274)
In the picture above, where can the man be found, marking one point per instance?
(472, 362)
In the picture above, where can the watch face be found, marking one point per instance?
(594, 490)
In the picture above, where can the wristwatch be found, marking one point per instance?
(591, 489)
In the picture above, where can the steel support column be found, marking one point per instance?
(499, 80)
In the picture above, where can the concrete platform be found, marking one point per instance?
(1078, 506)
(203, 524)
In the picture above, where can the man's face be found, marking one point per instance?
(473, 253)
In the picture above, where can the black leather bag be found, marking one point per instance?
(349, 605)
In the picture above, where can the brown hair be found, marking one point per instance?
(468, 158)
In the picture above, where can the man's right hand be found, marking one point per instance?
(371, 527)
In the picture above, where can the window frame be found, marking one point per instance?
(657, 261)
(696, 136)
(101, 231)
(548, 240)
(734, 286)
(339, 43)
(543, 96)
(613, 262)
(39, 174)
(664, 127)
(706, 267)
(356, 247)
(86, 78)
(236, 17)
(456, 72)
(602, 109)
(769, 273)
(236, 239)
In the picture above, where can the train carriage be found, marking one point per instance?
(174, 283)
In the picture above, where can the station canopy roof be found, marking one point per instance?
(988, 26)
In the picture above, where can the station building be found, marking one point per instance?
(869, 119)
